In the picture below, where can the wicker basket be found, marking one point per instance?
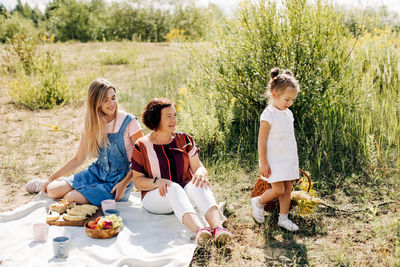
(101, 233)
(261, 186)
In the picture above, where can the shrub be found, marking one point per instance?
(69, 20)
(307, 39)
(175, 35)
(196, 112)
(310, 40)
(41, 82)
(98, 20)
(44, 89)
(16, 24)
(22, 47)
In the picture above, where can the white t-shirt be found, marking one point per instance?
(281, 145)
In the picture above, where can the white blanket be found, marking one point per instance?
(145, 240)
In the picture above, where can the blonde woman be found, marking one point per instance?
(109, 135)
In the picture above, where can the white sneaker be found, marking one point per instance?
(288, 225)
(35, 185)
(258, 210)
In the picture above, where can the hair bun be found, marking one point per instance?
(288, 72)
(274, 73)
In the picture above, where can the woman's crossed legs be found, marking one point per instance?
(61, 189)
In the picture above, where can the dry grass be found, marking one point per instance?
(328, 238)
(28, 150)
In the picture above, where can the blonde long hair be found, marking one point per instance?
(95, 135)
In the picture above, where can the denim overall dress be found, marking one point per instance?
(112, 165)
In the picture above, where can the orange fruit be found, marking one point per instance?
(91, 224)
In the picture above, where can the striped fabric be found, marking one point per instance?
(170, 161)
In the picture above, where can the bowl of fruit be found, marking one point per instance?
(104, 227)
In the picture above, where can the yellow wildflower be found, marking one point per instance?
(182, 91)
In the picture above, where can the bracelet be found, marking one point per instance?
(155, 180)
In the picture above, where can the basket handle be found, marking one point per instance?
(308, 178)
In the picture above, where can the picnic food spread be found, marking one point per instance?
(72, 213)
(66, 213)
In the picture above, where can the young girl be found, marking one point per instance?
(109, 135)
(277, 149)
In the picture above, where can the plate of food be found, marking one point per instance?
(104, 227)
(66, 213)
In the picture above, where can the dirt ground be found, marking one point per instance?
(13, 196)
(29, 148)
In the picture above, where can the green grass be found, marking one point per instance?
(126, 55)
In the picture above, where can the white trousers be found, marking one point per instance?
(179, 200)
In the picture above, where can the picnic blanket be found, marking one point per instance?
(145, 240)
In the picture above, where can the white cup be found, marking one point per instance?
(61, 246)
(108, 204)
(40, 231)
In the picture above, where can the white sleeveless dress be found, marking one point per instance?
(281, 146)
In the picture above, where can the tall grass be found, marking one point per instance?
(348, 105)
(397, 249)
(158, 74)
(376, 70)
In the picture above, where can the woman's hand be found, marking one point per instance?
(163, 185)
(265, 170)
(119, 190)
(199, 179)
(200, 172)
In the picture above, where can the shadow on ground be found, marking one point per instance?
(202, 256)
(285, 248)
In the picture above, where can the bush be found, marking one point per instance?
(16, 24)
(307, 39)
(44, 89)
(41, 82)
(310, 40)
(69, 20)
(97, 20)
(24, 49)
(368, 19)
(197, 117)
(175, 35)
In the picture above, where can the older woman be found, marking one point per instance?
(167, 169)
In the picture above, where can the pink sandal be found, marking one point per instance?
(203, 235)
(222, 235)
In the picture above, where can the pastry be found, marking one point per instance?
(53, 216)
(82, 210)
(61, 206)
(68, 217)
